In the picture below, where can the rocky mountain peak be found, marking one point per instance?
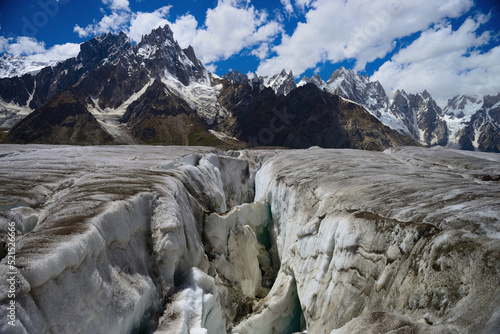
(399, 92)
(492, 101)
(112, 74)
(398, 100)
(189, 52)
(461, 106)
(430, 102)
(104, 46)
(426, 95)
(421, 116)
(282, 83)
(236, 77)
(354, 87)
(159, 36)
(341, 73)
(316, 79)
(160, 53)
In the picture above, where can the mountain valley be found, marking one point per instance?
(154, 92)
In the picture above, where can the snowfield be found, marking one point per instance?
(144, 239)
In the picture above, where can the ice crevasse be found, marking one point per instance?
(194, 240)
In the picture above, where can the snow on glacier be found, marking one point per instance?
(194, 240)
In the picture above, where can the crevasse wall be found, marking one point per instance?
(167, 246)
(408, 232)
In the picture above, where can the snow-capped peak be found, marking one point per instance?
(463, 106)
(282, 83)
(17, 65)
(353, 86)
(316, 79)
(236, 76)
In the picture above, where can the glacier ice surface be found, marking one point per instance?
(130, 239)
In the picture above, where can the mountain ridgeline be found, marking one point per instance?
(155, 92)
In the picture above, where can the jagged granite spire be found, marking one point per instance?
(236, 76)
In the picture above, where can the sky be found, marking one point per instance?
(448, 47)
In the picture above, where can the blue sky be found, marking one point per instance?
(448, 47)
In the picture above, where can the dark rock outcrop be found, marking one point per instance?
(62, 120)
(161, 117)
(305, 117)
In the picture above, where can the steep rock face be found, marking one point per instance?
(159, 51)
(418, 115)
(17, 90)
(359, 89)
(316, 79)
(31, 92)
(462, 106)
(236, 77)
(282, 83)
(62, 120)
(481, 133)
(369, 94)
(159, 116)
(481, 125)
(111, 74)
(109, 69)
(422, 117)
(305, 117)
(15, 94)
(94, 53)
(404, 109)
(434, 130)
(367, 132)
(156, 55)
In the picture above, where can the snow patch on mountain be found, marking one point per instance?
(370, 95)
(11, 113)
(458, 113)
(282, 83)
(199, 94)
(17, 65)
(316, 79)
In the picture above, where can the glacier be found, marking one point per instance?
(147, 239)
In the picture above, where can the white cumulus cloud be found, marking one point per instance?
(336, 30)
(115, 22)
(58, 52)
(117, 4)
(446, 62)
(143, 23)
(118, 20)
(21, 45)
(36, 51)
(287, 6)
(229, 28)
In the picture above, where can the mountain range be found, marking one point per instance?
(155, 92)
